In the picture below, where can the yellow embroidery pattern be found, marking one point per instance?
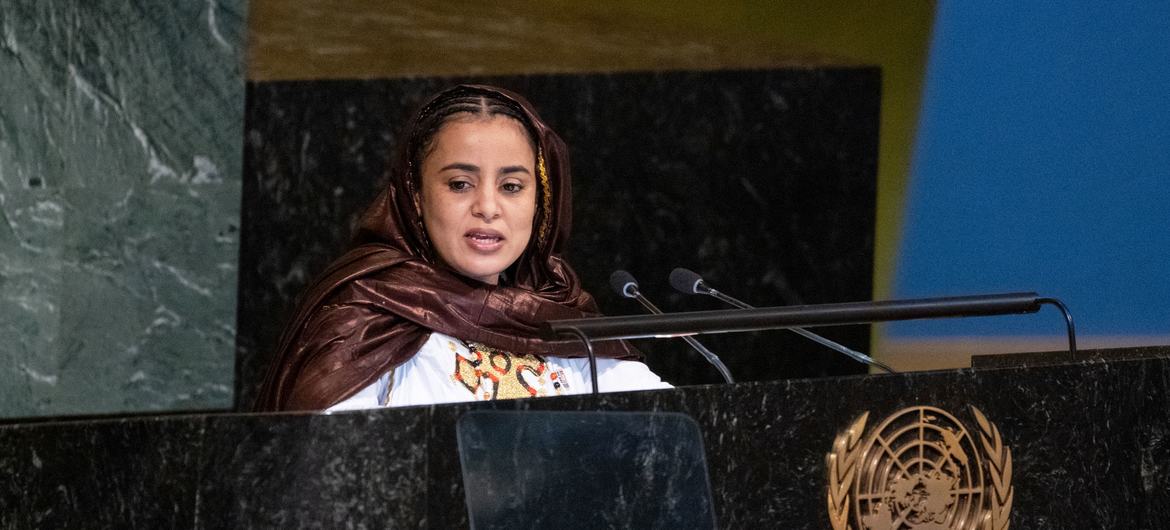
(491, 374)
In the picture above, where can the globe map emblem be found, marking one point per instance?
(921, 469)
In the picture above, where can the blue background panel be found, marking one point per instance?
(1043, 163)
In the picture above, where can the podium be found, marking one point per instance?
(1088, 440)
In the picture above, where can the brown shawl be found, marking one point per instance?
(374, 306)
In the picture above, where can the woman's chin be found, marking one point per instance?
(484, 265)
(481, 272)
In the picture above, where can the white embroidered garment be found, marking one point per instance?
(448, 370)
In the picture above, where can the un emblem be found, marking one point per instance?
(920, 469)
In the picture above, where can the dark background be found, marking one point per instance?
(763, 181)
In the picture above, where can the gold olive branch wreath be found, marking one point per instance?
(999, 464)
(842, 464)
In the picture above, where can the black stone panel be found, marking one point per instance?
(763, 181)
(349, 471)
(1088, 442)
(133, 473)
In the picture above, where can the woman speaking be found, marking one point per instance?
(454, 267)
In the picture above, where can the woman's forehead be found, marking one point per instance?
(469, 118)
(497, 136)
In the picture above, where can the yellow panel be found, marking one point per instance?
(374, 38)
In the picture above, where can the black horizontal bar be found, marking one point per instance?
(731, 320)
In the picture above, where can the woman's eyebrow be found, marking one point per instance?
(470, 168)
(514, 169)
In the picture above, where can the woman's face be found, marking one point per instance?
(479, 195)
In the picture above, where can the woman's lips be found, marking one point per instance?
(484, 240)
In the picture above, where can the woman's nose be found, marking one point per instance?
(486, 205)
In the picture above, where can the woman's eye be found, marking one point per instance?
(513, 187)
(459, 185)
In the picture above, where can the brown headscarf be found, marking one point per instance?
(373, 307)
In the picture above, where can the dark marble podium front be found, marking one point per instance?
(1090, 442)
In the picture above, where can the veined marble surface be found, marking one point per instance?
(120, 154)
(1089, 444)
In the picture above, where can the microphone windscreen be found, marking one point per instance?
(621, 280)
(685, 281)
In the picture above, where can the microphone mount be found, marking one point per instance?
(731, 320)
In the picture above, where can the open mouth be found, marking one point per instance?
(484, 239)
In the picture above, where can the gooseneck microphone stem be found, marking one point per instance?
(624, 284)
(1072, 333)
(687, 281)
(707, 354)
(592, 357)
(703, 288)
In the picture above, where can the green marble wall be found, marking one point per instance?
(120, 144)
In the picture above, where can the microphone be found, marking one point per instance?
(624, 284)
(689, 282)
